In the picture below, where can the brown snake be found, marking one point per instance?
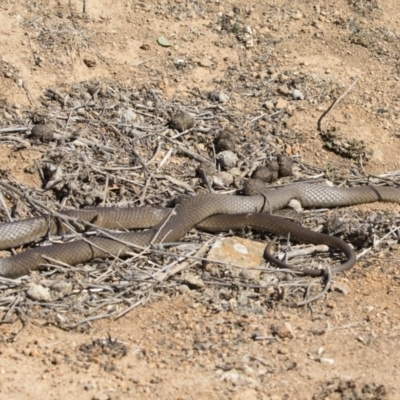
(202, 211)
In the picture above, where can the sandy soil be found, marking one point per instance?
(343, 346)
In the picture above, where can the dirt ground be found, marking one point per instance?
(344, 346)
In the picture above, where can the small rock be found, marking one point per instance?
(239, 251)
(227, 159)
(235, 171)
(38, 292)
(207, 168)
(220, 97)
(283, 78)
(205, 62)
(262, 173)
(223, 179)
(145, 46)
(80, 111)
(231, 376)
(283, 350)
(163, 41)
(283, 330)
(180, 63)
(42, 133)
(225, 141)
(63, 288)
(202, 345)
(7, 116)
(61, 319)
(90, 62)
(284, 90)
(86, 96)
(193, 281)
(285, 164)
(238, 180)
(184, 289)
(256, 334)
(274, 167)
(325, 360)
(181, 121)
(297, 95)
(297, 15)
(128, 116)
(269, 105)
(341, 288)
(254, 187)
(93, 89)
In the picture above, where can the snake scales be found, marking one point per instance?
(203, 211)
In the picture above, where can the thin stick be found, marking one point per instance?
(334, 104)
(145, 61)
(184, 265)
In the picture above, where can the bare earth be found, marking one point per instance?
(344, 346)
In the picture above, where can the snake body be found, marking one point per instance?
(203, 211)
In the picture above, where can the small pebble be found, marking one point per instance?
(184, 289)
(128, 116)
(223, 179)
(207, 168)
(285, 165)
(284, 90)
(254, 187)
(219, 97)
(205, 62)
(297, 15)
(90, 62)
(225, 141)
(42, 133)
(324, 360)
(341, 288)
(235, 171)
(38, 292)
(180, 63)
(194, 281)
(163, 41)
(227, 159)
(274, 168)
(283, 330)
(269, 105)
(263, 173)
(181, 121)
(297, 95)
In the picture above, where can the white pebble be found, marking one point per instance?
(128, 116)
(297, 95)
(38, 292)
(222, 179)
(324, 360)
(227, 159)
